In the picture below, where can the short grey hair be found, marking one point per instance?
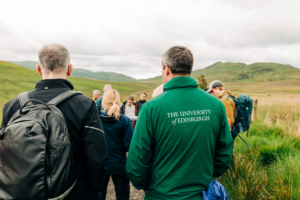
(54, 58)
(180, 60)
(97, 92)
(107, 87)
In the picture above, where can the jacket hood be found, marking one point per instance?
(106, 118)
(180, 82)
(227, 93)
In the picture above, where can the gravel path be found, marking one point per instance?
(134, 193)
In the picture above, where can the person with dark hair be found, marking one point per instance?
(182, 138)
(140, 102)
(129, 107)
(129, 110)
(118, 133)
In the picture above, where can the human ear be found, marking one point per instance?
(70, 68)
(38, 68)
(168, 70)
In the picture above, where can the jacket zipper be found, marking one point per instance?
(57, 146)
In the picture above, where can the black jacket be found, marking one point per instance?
(139, 103)
(86, 133)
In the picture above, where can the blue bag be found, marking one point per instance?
(216, 191)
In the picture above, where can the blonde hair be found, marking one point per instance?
(111, 103)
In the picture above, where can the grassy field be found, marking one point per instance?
(15, 79)
(268, 170)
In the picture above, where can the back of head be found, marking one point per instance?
(180, 60)
(215, 84)
(54, 58)
(97, 92)
(131, 98)
(107, 87)
(111, 103)
(158, 90)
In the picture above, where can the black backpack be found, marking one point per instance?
(36, 160)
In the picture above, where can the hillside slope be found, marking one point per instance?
(243, 73)
(82, 73)
(256, 72)
(15, 79)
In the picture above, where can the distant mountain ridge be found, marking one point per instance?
(241, 72)
(82, 73)
(226, 72)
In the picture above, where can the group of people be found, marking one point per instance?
(181, 141)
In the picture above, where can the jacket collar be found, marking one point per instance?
(227, 93)
(106, 118)
(180, 82)
(54, 83)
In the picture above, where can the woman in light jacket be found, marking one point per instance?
(118, 133)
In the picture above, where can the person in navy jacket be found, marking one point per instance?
(118, 133)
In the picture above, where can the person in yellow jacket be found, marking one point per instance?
(217, 89)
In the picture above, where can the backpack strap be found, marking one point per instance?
(23, 98)
(225, 96)
(228, 96)
(236, 107)
(245, 141)
(63, 96)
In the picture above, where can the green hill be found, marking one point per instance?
(15, 79)
(256, 72)
(240, 72)
(82, 73)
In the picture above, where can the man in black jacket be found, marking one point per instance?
(89, 147)
(140, 102)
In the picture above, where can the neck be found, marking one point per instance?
(178, 75)
(171, 76)
(54, 76)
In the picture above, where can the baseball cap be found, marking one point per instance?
(214, 84)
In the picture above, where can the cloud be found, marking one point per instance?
(130, 36)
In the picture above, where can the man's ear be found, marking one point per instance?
(168, 70)
(38, 68)
(70, 68)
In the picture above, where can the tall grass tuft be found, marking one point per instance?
(246, 182)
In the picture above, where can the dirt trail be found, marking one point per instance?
(134, 193)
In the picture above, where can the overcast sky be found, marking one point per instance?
(130, 36)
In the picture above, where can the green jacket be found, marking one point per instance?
(98, 102)
(181, 141)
